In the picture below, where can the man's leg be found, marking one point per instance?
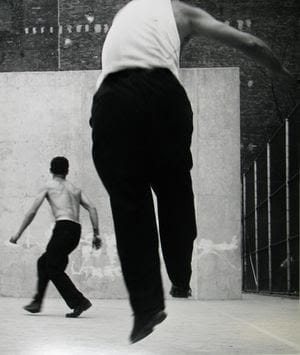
(171, 161)
(137, 244)
(119, 138)
(177, 224)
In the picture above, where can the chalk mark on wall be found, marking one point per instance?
(208, 247)
(102, 263)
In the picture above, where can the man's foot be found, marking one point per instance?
(180, 292)
(83, 306)
(143, 325)
(33, 307)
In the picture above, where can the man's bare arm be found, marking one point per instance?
(85, 203)
(198, 22)
(29, 216)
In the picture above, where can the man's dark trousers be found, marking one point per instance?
(52, 264)
(141, 128)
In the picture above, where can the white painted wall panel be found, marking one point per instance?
(44, 114)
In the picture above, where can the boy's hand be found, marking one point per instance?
(97, 242)
(14, 239)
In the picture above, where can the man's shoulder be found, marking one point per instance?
(183, 14)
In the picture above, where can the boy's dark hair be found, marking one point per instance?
(59, 166)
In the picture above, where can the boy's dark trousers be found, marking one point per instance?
(52, 264)
(141, 129)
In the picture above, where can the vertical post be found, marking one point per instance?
(58, 36)
(256, 225)
(287, 185)
(269, 215)
(244, 230)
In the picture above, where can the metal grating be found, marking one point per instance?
(271, 214)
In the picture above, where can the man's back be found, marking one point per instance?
(64, 199)
(150, 33)
(143, 35)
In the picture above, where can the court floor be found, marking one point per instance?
(253, 325)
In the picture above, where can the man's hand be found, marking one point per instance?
(14, 239)
(97, 242)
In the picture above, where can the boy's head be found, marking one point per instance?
(59, 166)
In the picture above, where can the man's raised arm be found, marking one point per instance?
(198, 22)
(29, 216)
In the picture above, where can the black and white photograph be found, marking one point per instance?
(150, 177)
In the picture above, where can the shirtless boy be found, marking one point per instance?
(65, 200)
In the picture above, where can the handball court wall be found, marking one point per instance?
(45, 114)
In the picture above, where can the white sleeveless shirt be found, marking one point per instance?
(143, 35)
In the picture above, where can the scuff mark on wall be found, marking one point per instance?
(208, 247)
(97, 263)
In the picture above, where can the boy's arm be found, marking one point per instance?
(85, 203)
(29, 216)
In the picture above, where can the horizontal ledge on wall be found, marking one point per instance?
(103, 28)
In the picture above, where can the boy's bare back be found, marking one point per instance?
(64, 199)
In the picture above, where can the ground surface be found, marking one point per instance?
(254, 325)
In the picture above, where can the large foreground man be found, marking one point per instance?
(65, 200)
(141, 129)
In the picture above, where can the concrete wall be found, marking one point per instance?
(46, 114)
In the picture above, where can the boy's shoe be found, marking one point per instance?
(83, 306)
(33, 307)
